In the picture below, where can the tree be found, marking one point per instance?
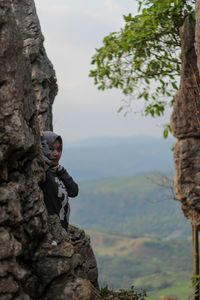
(143, 58)
(166, 183)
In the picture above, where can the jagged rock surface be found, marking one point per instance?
(43, 74)
(59, 269)
(23, 219)
(32, 265)
(197, 32)
(185, 122)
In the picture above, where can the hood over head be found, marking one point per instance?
(50, 137)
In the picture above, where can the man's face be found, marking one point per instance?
(56, 151)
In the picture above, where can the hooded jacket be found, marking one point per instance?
(59, 185)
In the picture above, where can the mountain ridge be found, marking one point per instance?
(117, 157)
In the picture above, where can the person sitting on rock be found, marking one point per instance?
(59, 185)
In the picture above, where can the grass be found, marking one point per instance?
(182, 291)
(151, 264)
(109, 244)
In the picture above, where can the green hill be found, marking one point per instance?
(131, 206)
(139, 235)
(147, 263)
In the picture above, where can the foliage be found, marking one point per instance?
(143, 58)
(122, 294)
(104, 291)
(166, 131)
(196, 286)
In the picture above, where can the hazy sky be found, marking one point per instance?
(72, 30)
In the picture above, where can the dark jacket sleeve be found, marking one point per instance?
(71, 185)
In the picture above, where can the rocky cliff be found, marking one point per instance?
(185, 122)
(42, 72)
(32, 266)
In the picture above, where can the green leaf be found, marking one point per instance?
(174, 85)
(165, 133)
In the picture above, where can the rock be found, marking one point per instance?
(81, 243)
(75, 290)
(185, 119)
(42, 72)
(38, 258)
(8, 285)
(19, 135)
(197, 32)
(10, 212)
(58, 233)
(71, 259)
(185, 123)
(10, 247)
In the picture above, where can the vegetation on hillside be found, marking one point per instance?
(150, 263)
(130, 206)
(139, 236)
(122, 294)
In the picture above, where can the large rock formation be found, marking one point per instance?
(185, 123)
(23, 218)
(42, 72)
(34, 262)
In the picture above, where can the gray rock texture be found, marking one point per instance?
(38, 259)
(59, 269)
(42, 72)
(185, 122)
(23, 219)
(197, 32)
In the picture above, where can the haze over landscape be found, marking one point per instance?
(138, 232)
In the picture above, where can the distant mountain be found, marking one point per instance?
(116, 157)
